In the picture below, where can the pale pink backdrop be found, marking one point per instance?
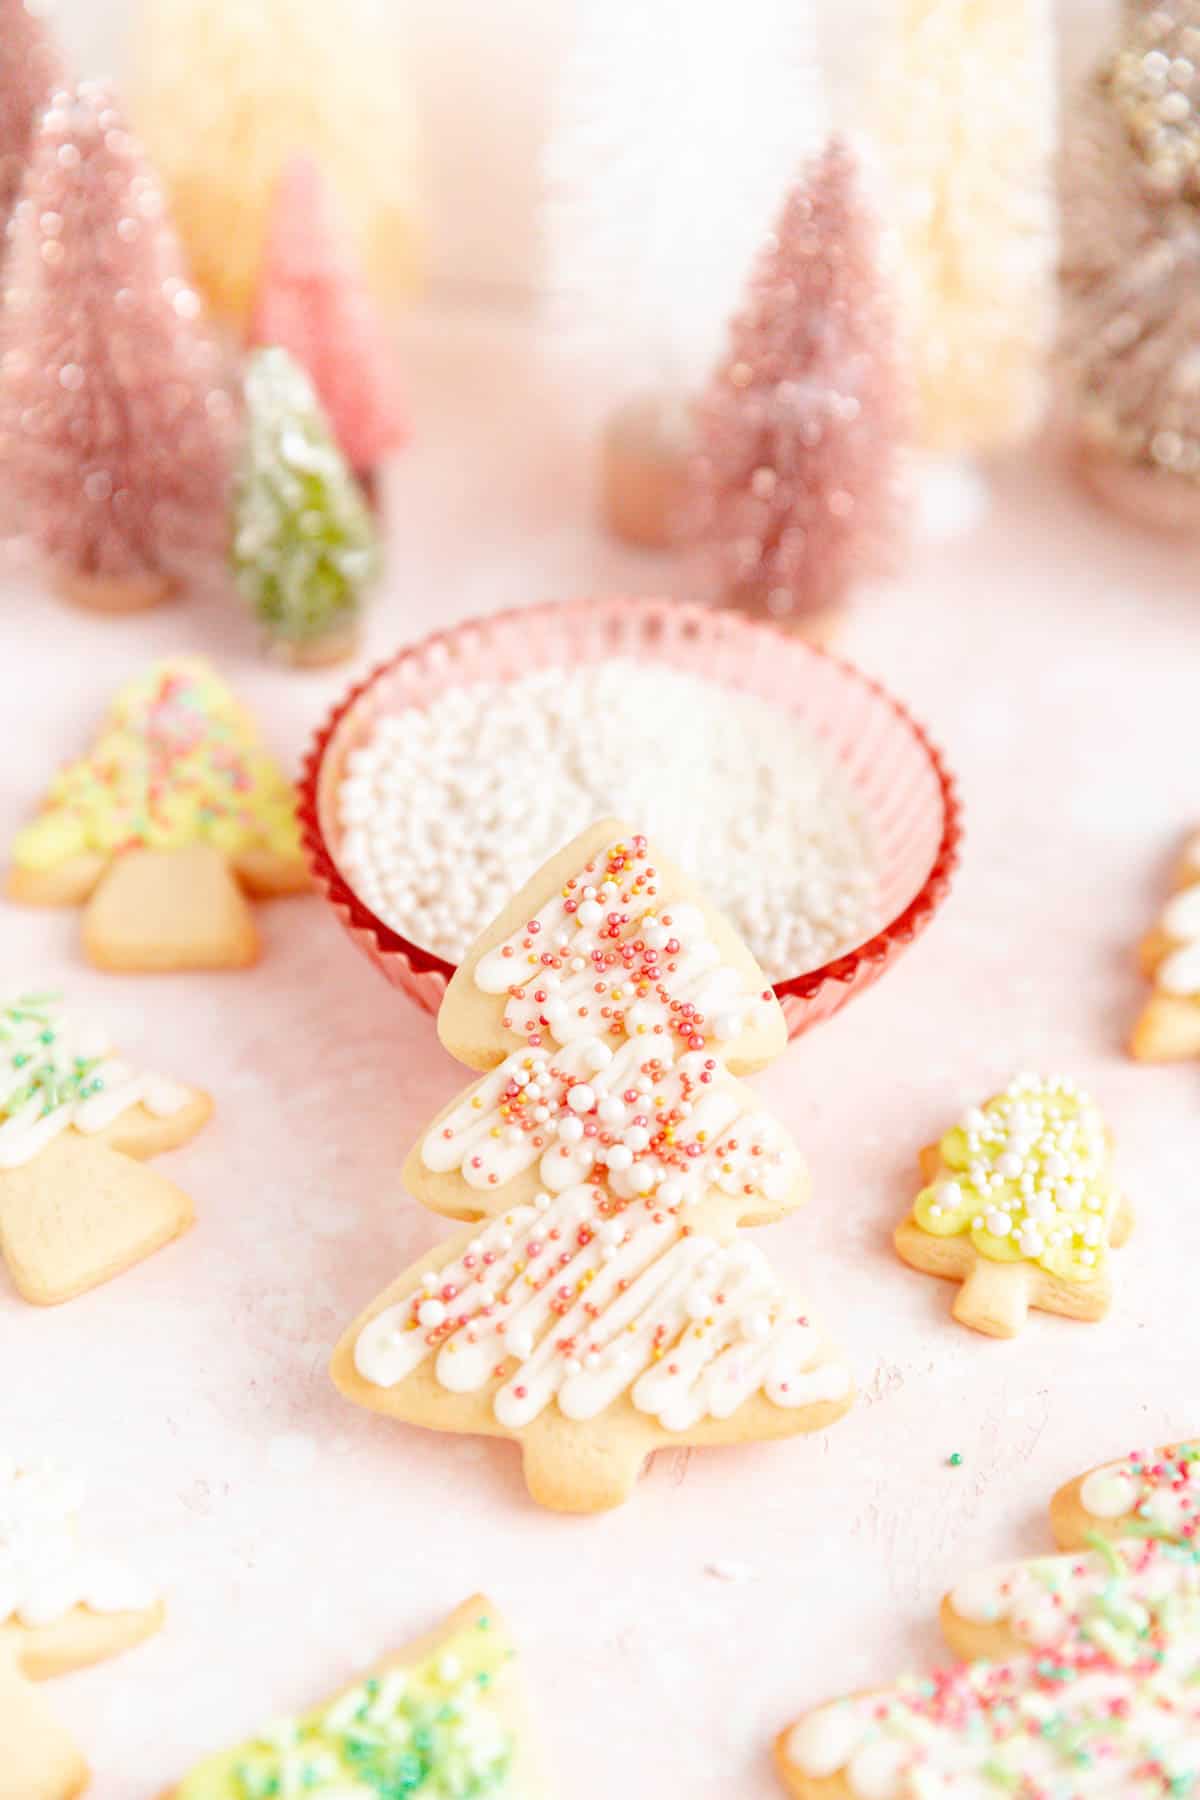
(1055, 656)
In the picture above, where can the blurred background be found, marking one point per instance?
(481, 80)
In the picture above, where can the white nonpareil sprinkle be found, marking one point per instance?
(448, 810)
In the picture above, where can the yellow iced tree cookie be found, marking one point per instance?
(442, 1720)
(61, 1608)
(1021, 1207)
(605, 1302)
(1169, 1025)
(76, 1122)
(176, 815)
(1079, 1678)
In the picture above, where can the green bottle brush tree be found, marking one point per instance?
(303, 545)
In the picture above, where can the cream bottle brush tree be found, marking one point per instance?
(604, 1304)
(303, 541)
(30, 70)
(965, 115)
(1131, 269)
(228, 92)
(654, 208)
(114, 418)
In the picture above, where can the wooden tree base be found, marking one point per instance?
(314, 653)
(643, 470)
(1152, 498)
(110, 594)
(816, 626)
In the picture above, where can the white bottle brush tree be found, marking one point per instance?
(303, 546)
(655, 208)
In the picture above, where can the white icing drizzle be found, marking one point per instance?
(1101, 1703)
(1109, 1493)
(58, 1071)
(1160, 1487)
(888, 1748)
(44, 1571)
(523, 1113)
(700, 977)
(606, 1283)
(1051, 1600)
(591, 1306)
(1179, 971)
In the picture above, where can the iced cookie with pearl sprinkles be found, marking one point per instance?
(1079, 1680)
(442, 1720)
(77, 1121)
(164, 831)
(1168, 1028)
(603, 1302)
(1020, 1206)
(61, 1608)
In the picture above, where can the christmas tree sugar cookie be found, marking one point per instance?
(163, 830)
(1080, 1677)
(1150, 1493)
(605, 1303)
(442, 1720)
(1020, 1206)
(61, 1608)
(1168, 1028)
(76, 1121)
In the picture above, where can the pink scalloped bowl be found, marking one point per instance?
(901, 781)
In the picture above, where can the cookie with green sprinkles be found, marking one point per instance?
(443, 1719)
(77, 1123)
(1078, 1678)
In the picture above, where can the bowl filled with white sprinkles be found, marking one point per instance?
(809, 804)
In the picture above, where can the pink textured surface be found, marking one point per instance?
(1054, 656)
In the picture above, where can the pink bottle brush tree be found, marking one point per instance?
(30, 70)
(114, 418)
(313, 301)
(793, 490)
